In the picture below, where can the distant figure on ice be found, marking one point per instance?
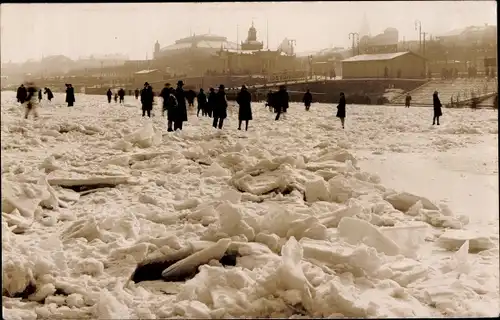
(437, 108)
(220, 108)
(190, 95)
(147, 100)
(201, 99)
(49, 94)
(280, 101)
(211, 101)
(170, 105)
(70, 95)
(22, 93)
(32, 101)
(109, 94)
(269, 103)
(136, 93)
(40, 95)
(407, 100)
(121, 94)
(244, 100)
(181, 114)
(341, 109)
(116, 97)
(307, 99)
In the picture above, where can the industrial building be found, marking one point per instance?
(405, 65)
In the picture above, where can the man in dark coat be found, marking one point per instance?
(22, 93)
(211, 101)
(181, 114)
(341, 109)
(147, 100)
(136, 93)
(109, 94)
(190, 95)
(244, 100)
(407, 100)
(121, 94)
(220, 108)
(170, 105)
(49, 94)
(201, 99)
(437, 108)
(307, 99)
(280, 101)
(70, 95)
(40, 95)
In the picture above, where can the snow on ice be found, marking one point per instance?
(105, 215)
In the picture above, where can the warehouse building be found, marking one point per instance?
(404, 65)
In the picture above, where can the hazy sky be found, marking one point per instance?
(29, 31)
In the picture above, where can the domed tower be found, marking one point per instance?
(252, 34)
(157, 50)
(251, 43)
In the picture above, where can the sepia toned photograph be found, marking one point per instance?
(215, 160)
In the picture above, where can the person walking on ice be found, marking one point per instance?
(244, 100)
(341, 109)
(220, 108)
(201, 99)
(437, 108)
(70, 95)
(147, 100)
(109, 94)
(407, 100)
(121, 94)
(32, 101)
(49, 93)
(307, 99)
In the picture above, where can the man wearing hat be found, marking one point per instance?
(220, 108)
(181, 114)
(147, 98)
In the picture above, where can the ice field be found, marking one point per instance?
(297, 218)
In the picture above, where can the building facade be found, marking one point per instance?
(404, 65)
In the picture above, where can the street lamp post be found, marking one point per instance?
(355, 36)
(419, 24)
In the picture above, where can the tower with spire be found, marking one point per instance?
(156, 52)
(251, 42)
(365, 27)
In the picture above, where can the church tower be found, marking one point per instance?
(365, 27)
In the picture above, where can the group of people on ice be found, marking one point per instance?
(31, 96)
(176, 102)
(215, 104)
(22, 94)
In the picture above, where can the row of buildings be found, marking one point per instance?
(208, 55)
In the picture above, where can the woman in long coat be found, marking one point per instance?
(244, 100)
(70, 95)
(341, 109)
(437, 108)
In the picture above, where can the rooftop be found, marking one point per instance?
(376, 57)
(146, 71)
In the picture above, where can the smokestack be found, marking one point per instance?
(267, 33)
